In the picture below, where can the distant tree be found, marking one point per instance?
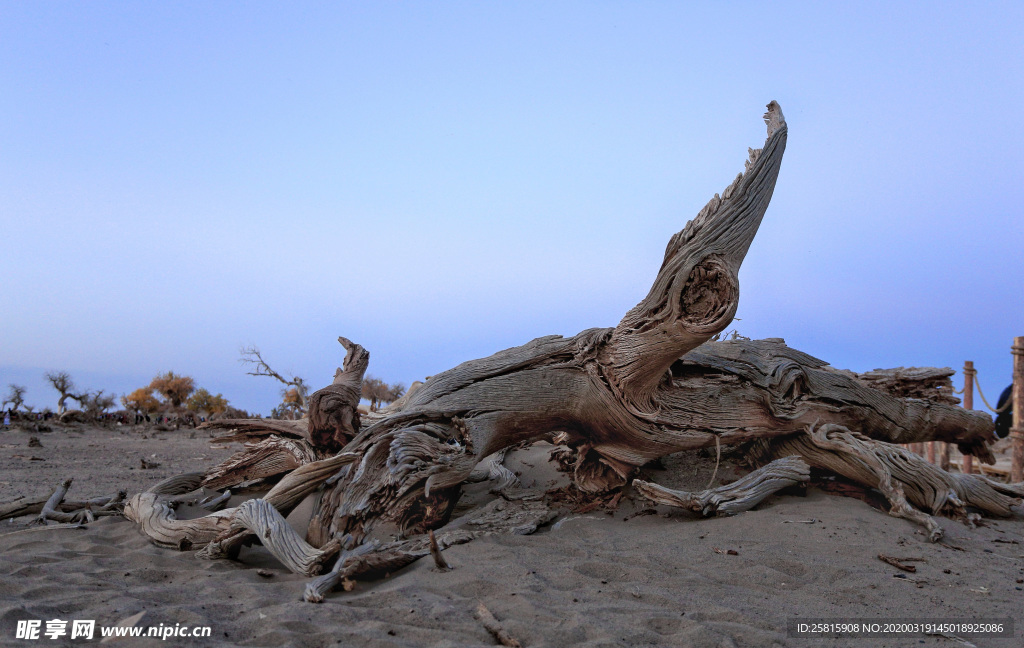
(61, 381)
(378, 392)
(289, 408)
(373, 391)
(141, 400)
(174, 388)
(203, 401)
(394, 392)
(96, 402)
(15, 397)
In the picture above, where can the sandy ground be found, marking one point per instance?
(598, 579)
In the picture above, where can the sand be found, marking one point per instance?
(597, 579)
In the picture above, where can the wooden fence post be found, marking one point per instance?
(968, 460)
(1017, 431)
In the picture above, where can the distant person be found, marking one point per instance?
(7, 419)
(1004, 420)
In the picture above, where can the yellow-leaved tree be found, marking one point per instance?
(174, 388)
(141, 400)
(203, 401)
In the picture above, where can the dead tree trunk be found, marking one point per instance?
(624, 396)
(621, 397)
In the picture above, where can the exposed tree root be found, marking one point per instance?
(520, 517)
(906, 479)
(281, 540)
(741, 495)
(318, 588)
(284, 497)
(435, 550)
(156, 519)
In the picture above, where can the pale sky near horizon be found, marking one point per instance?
(439, 181)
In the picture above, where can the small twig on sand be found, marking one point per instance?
(491, 625)
(896, 563)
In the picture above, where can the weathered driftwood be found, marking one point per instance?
(284, 497)
(318, 588)
(156, 519)
(270, 456)
(178, 484)
(741, 495)
(254, 429)
(50, 507)
(520, 517)
(930, 383)
(22, 506)
(333, 410)
(215, 503)
(52, 512)
(281, 540)
(627, 395)
(100, 506)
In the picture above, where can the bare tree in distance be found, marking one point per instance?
(394, 392)
(96, 402)
(379, 392)
(15, 397)
(298, 399)
(61, 381)
(373, 390)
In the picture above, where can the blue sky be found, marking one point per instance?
(439, 181)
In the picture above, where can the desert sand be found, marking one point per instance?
(635, 576)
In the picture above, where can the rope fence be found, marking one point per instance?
(977, 383)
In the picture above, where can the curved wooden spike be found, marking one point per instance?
(696, 292)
